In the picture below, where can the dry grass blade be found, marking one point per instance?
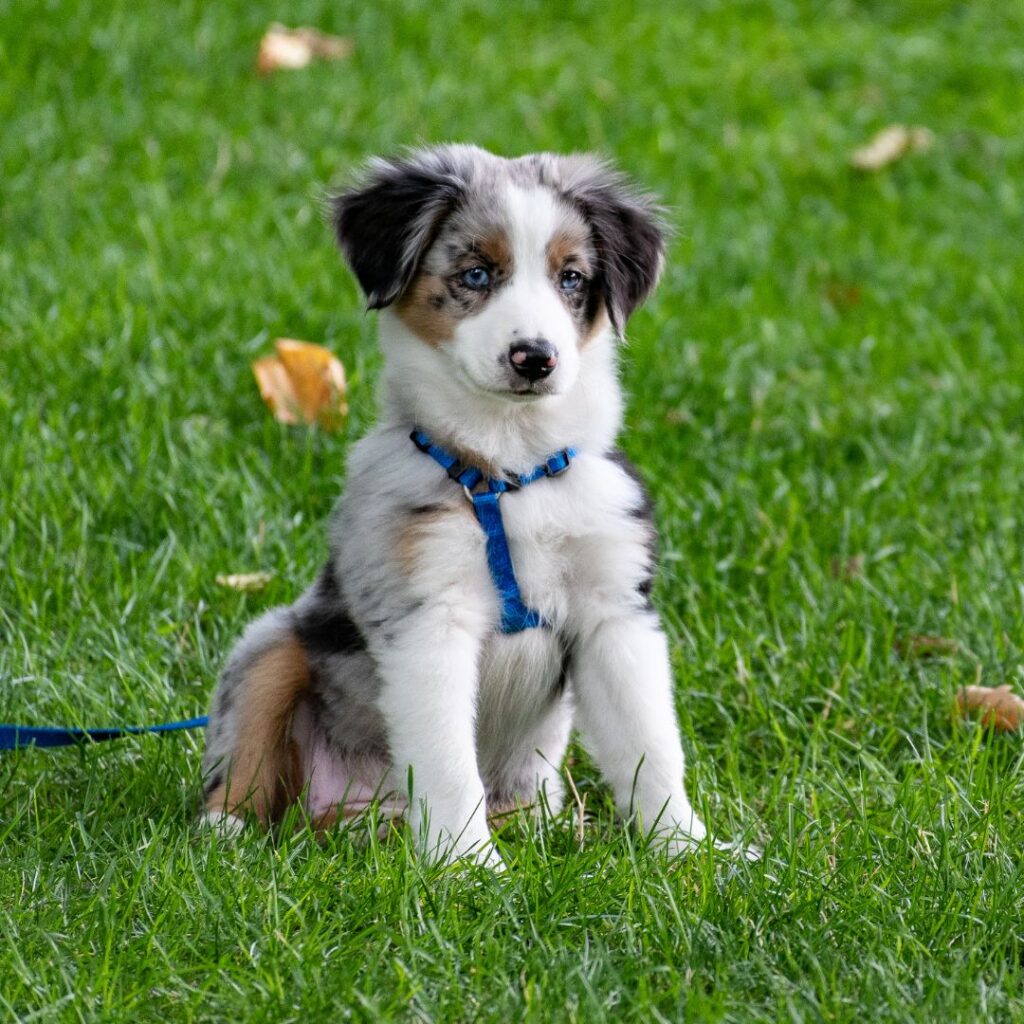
(851, 568)
(996, 706)
(581, 803)
(244, 580)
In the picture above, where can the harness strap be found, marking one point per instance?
(515, 615)
(15, 737)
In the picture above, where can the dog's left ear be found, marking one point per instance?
(386, 223)
(628, 231)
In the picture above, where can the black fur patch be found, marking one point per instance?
(225, 697)
(385, 225)
(327, 628)
(426, 510)
(629, 241)
(568, 653)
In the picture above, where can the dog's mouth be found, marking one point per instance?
(514, 389)
(526, 393)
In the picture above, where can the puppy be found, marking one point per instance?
(452, 641)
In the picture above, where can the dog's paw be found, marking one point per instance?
(221, 823)
(464, 852)
(745, 851)
(481, 855)
(684, 845)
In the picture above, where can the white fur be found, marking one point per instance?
(222, 824)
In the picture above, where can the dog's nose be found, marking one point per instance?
(533, 359)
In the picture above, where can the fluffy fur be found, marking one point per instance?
(388, 677)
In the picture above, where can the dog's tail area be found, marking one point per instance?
(257, 768)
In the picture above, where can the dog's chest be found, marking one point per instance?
(576, 542)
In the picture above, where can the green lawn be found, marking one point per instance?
(831, 374)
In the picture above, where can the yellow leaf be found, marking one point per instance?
(245, 580)
(303, 383)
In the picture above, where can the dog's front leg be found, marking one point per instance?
(428, 699)
(626, 713)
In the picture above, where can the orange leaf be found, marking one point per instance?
(997, 706)
(288, 48)
(303, 382)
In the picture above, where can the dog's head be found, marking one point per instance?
(505, 269)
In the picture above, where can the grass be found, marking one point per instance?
(831, 374)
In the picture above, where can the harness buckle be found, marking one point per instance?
(471, 498)
(566, 460)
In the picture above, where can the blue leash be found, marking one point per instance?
(515, 616)
(15, 737)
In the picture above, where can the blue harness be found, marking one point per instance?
(515, 616)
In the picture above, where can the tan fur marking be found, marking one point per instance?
(412, 535)
(568, 243)
(262, 773)
(599, 323)
(495, 248)
(424, 310)
(418, 529)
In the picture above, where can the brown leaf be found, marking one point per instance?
(842, 295)
(245, 580)
(997, 706)
(890, 145)
(925, 646)
(847, 569)
(303, 382)
(287, 48)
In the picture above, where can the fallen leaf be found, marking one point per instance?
(847, 569)
(842, 295)
(284, 48)
(925, 646)
(303, 383)
(998, 706)
(245, 580)
(889, 145)
(680, 417)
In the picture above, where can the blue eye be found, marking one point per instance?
(476, 278)
(570, 280)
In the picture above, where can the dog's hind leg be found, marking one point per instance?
(250, 764)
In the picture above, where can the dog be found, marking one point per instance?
(452, 641)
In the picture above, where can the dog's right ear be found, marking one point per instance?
(386, 223)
